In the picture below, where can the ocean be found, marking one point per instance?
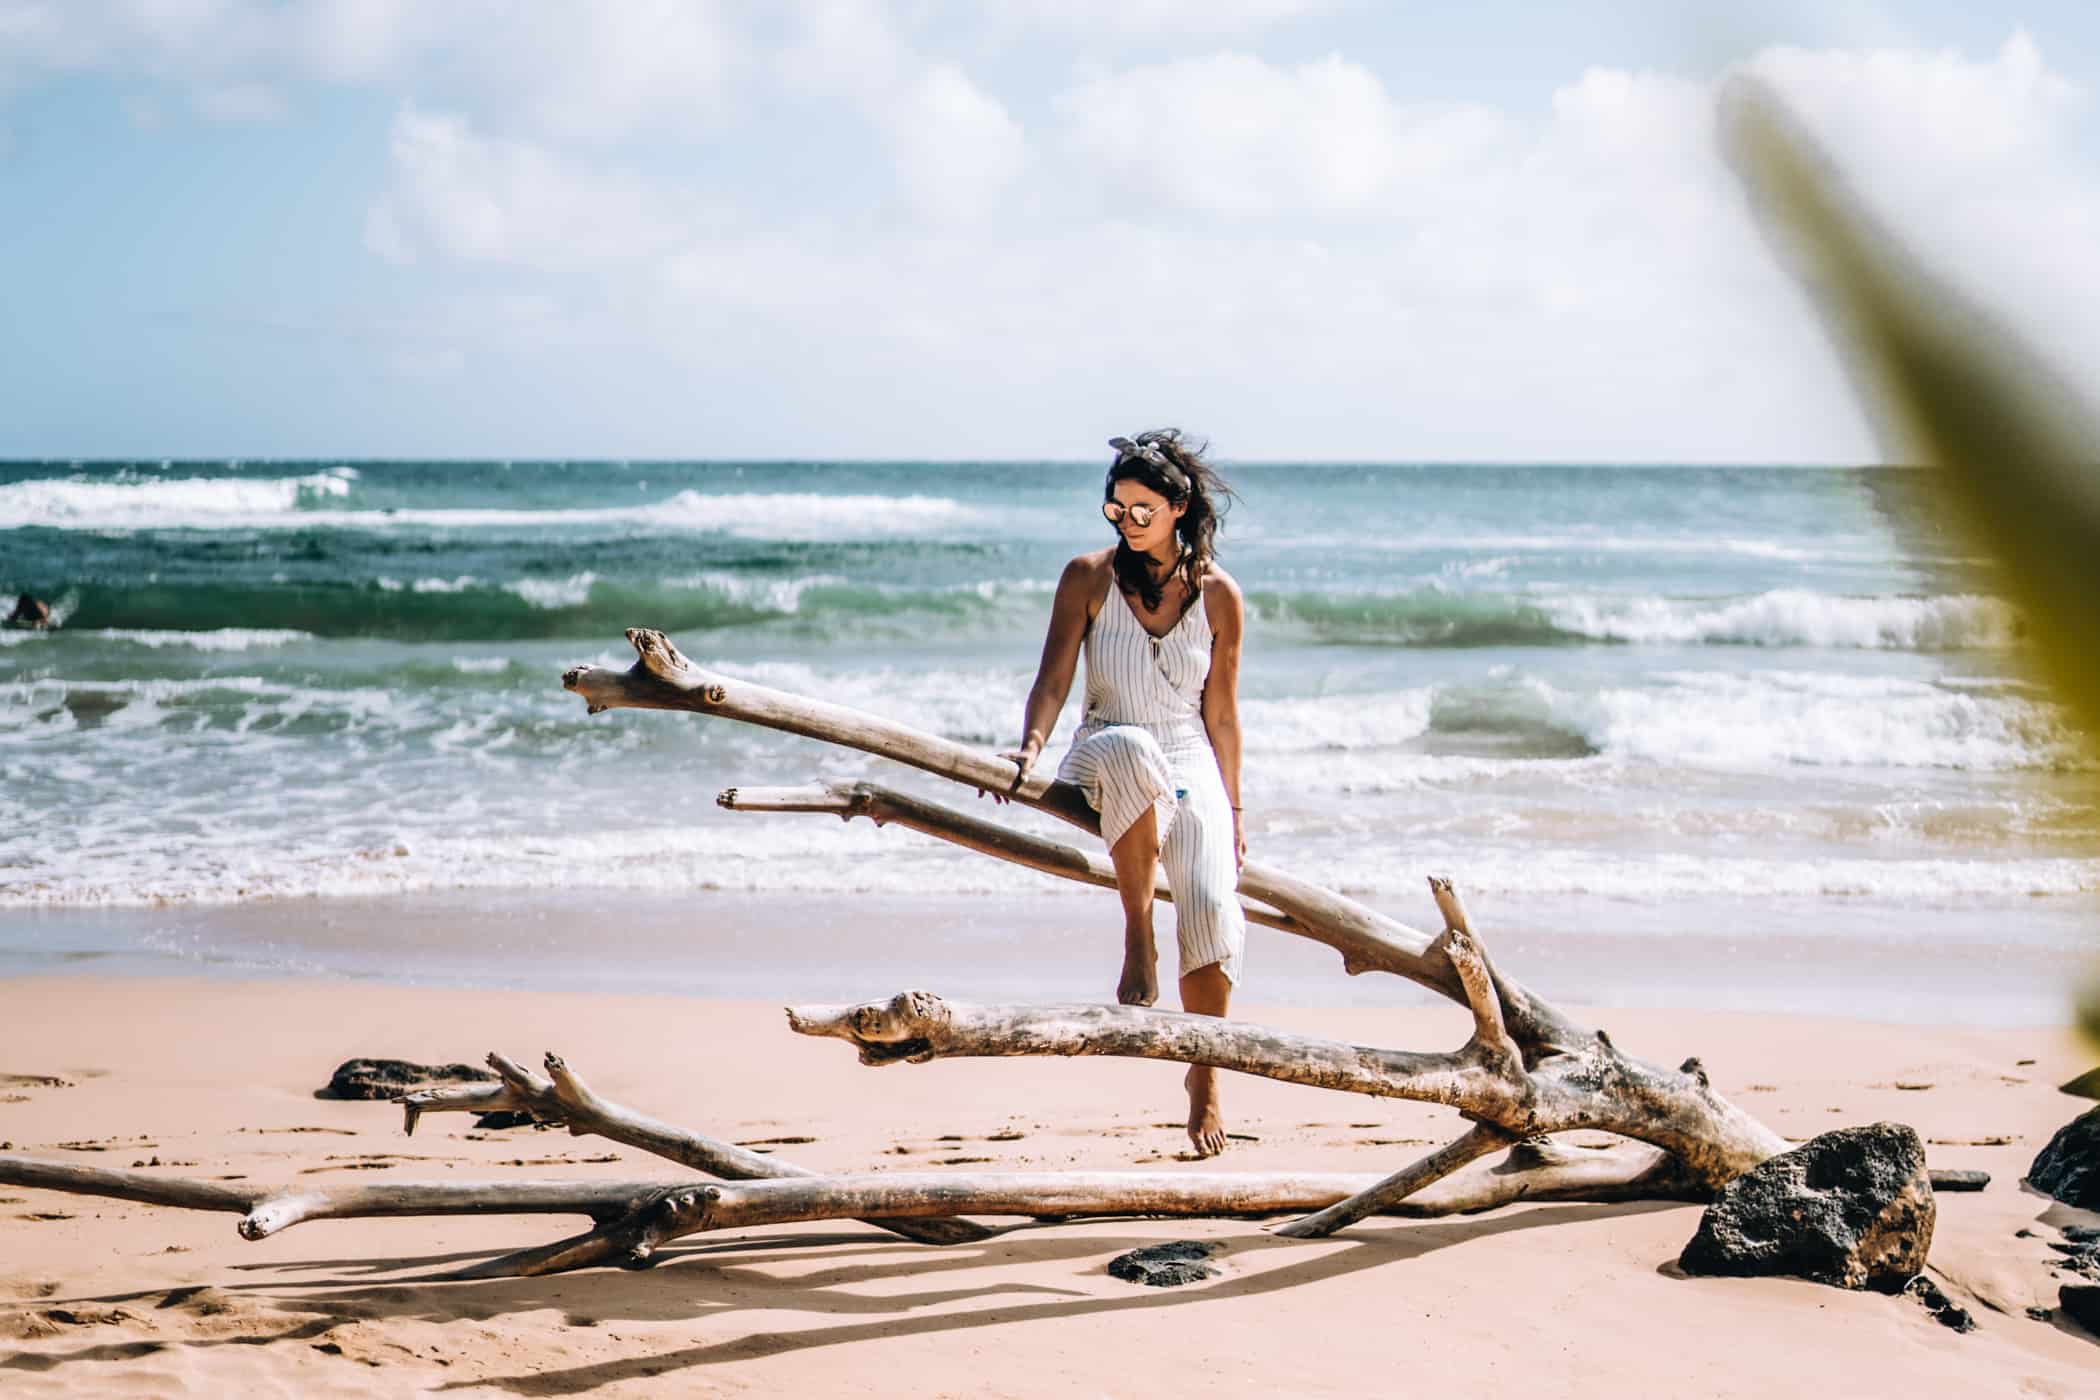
(1606, 691)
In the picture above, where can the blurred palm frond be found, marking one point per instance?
(2012, 448)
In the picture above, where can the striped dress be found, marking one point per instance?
(1142, 744)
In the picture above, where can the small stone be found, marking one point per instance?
(1165, 1265)
(2041, 1314)
(505, 1119)
(1956, 1318)
(1940, 1305)
(2069, 1167)
(1853, 1208)
(1959, 1179)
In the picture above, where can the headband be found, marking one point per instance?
(1146, 450)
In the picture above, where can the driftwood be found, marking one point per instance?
(633, 1219)
(1526, 1071)
(1528, 1068)
(265, 1211)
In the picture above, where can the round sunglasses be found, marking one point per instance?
(1141, 516)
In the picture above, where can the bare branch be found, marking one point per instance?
(266, 1211)
(564, 1098)
(885, 806)
(1411, 1178)
(663, 678)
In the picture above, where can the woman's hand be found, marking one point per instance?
(1022, 759)
(1239, 841)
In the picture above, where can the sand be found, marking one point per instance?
(215, 1078)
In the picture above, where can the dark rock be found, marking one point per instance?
(2069, 1167)
(1853, 1208)
(1165, 1265)
(33, 613)
(390, 1079)
(2085, 1086)
(1959, 1179)
(505, 1119)
(2081, 1234)
(2081, 1303)
(1943, 1309)
(2041, 1314)
(2079, 1258)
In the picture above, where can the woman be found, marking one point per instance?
(1158, 753)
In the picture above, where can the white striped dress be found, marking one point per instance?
(1142, 744)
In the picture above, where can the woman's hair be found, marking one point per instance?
(1164, 461)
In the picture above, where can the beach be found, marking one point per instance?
(1742, 763)
(215, 1078)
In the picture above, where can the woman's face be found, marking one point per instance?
(1137, 498)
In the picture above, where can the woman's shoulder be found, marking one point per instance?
(1222, 602)
(1093, 568)
(1087, 577)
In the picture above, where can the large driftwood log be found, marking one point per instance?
(1528, 1068)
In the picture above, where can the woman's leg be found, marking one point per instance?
(1207, 992)
(1136, 858)
(1203, 871)
(1125, 778)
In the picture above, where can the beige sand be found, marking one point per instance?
(104, 1298)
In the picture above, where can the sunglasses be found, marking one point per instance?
(1140, 516)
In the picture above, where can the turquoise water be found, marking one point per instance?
(1638, 685)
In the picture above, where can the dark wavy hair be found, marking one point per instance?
(1173, 466)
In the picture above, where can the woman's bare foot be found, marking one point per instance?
(1139, 984)
(1206, 1123)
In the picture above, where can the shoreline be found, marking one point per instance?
(1975, 963)
(214, 1077)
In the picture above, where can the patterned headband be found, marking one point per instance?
(1148, 451)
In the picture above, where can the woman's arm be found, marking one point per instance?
(1221, 692)
(1069, 615)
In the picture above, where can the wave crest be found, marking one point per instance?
(1435, 617)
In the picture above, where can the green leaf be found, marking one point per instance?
(2010, 446)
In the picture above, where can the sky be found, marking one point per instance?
(1351, 230)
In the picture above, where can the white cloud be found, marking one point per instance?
(1233, 134)
(1292, 254)
(478, 199)
(956, 149)
(575, 70)
(240, 102)
(1180, 20)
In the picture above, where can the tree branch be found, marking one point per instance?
(662, 678)
(266, 1211)
(564, 1098)
(1477, 1143)
(886, 806)
(1596, 1089)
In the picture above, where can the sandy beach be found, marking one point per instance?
(215, 1079)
